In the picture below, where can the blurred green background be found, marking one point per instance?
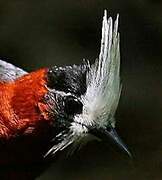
(35, 34)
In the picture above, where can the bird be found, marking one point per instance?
(47, 110)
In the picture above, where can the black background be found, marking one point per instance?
(36, 34)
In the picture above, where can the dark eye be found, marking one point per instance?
(73, 106)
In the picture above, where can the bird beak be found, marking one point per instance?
(110, 135)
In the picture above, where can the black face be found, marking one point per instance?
(69, 79)
(72, 106)
(63, 80)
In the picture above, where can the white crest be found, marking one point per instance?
(103, 89)
(103, 79)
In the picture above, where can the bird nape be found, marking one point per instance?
(45, 111)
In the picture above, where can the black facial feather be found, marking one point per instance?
(63, 108)
(68, 79)
(72, 106)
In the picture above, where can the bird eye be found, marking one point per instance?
(73, 106)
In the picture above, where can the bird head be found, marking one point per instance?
(83, 98)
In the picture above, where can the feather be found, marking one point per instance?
(103, 89)
(103, 80)
(9, 72)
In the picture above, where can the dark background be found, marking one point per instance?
(35, 34)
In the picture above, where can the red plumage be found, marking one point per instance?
(24, 124)
(21, 104)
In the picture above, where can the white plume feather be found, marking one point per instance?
(103, 88)
(103, 80)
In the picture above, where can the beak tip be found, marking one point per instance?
(112, 136)
(129, 154)
(119, 142)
